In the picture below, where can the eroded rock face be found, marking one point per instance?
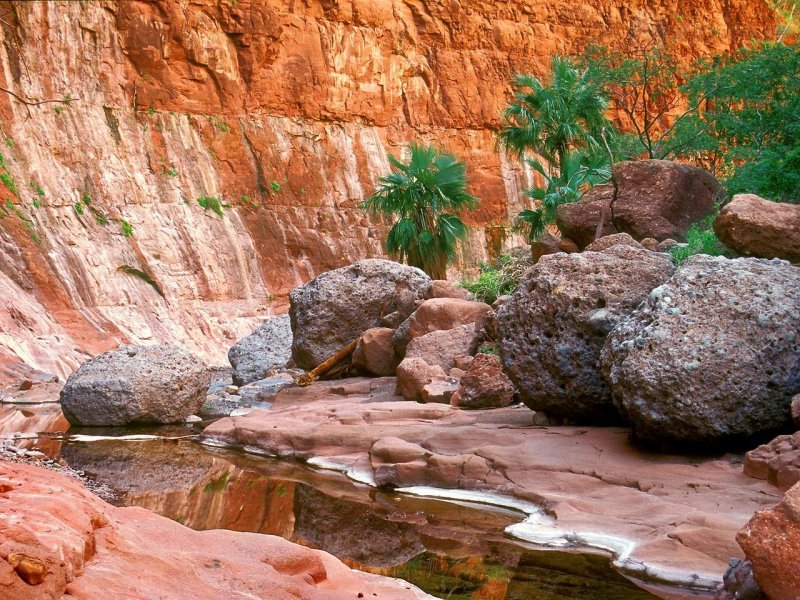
(754, 226)
(771, 541)
(335, 308)
(268, 347)
(136, 384)
(713, 354)
(553, 327)
(657, 199)
(83, 548)
(285, 111)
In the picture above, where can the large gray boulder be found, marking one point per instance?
(335, 308)
(136, 384)
(268, 347)
(553, 327)
(712, 355)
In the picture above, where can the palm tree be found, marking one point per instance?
(579, 172)
(421, 193)
(561, 123)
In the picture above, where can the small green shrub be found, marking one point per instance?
(127, 229)
(78, 206)
(99, 216)
(86, 198)
(37, 189)
(275, 187)
(172, 172)
(151, 111)
(211, 202)
(700, 239)
(499, 279)
(10, 143)
(143, 275)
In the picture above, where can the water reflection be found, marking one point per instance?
(449, 549)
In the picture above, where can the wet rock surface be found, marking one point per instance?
(754, 226)
(553, 327)
(657, 199)
(136, 384)
(335, 308)
(266, 349)
(86, 547)
(713, 355)
(675, 515)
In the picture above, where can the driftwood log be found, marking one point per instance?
(327, 365)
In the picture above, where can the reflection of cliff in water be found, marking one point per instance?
(451, 550)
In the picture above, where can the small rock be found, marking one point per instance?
(615, 239)
(546, 244)
(666, 245)
(413, 374)
(440, 391)
(445, 289)
(778, 461)
(232, 389)
(484, 385)
(30, 569)
(193, 419)
(25, 385)
(650, 243)
(240, 412)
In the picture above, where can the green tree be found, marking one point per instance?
(751, 118)
(642, 82)
(425, 194)
(557, 128)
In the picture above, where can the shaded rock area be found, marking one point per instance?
(375, 353)
(269, 347)
(83, 548)
(771, 542)
(738, 583)
(713, 355)
(335, 308)
(553, 327)
(658, 510)
(136, 384)
(545, 244)
(754, 226)
(778, 461)
(657, 199)
(484, 385)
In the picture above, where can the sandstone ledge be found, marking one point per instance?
(70, 544)
(663, 517)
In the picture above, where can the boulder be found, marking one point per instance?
(440, 390)
(439, 314)
(441, 288)
(268, 347)
(553, 327)
(754, 226)
(413, 374)
(374, 352)
(484, 385)
(712, 355)
(771, 542)
(777, 462)
(545, 244)
(615, 239)
(443, 347)
(651, 244)
(657, 199)
(136, 384)
(335, 308)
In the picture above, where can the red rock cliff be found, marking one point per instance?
(285, 110)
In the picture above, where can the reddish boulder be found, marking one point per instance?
(374, 352)
(484, 385)
(778, 461)
(445, 346)
(439, 314)
(441, 288)
(413, 374)
(754, 226)
(546, 244)
(657, 199)
(771, 541)
(616, 239)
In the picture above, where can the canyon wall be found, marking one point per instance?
(124, 123)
